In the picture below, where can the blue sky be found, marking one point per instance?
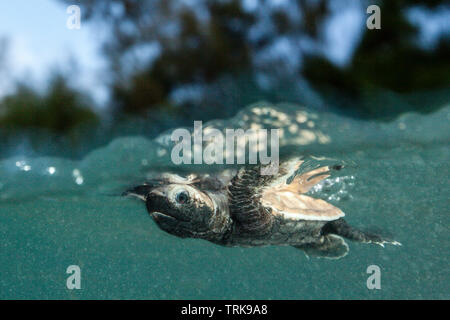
(39, 40)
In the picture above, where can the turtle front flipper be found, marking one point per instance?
(244, 204)
(330, 246)
(256, 198)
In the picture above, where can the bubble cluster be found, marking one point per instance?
(335, 188)
(78, 178)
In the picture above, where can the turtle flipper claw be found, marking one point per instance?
(383, 242)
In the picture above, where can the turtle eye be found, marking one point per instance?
(182, 197)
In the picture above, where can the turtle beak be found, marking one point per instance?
(140, 192)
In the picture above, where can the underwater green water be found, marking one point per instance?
(56, 212)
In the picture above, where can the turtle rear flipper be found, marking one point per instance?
(342, 228)
(332, 247)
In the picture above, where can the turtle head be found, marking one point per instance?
(181, 209)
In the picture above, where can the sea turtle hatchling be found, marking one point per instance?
(245, 208)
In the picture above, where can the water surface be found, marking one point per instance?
(56, 212)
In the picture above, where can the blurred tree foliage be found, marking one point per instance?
(59, 109)
(191, 48)
(388, 58)
(157, 46)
